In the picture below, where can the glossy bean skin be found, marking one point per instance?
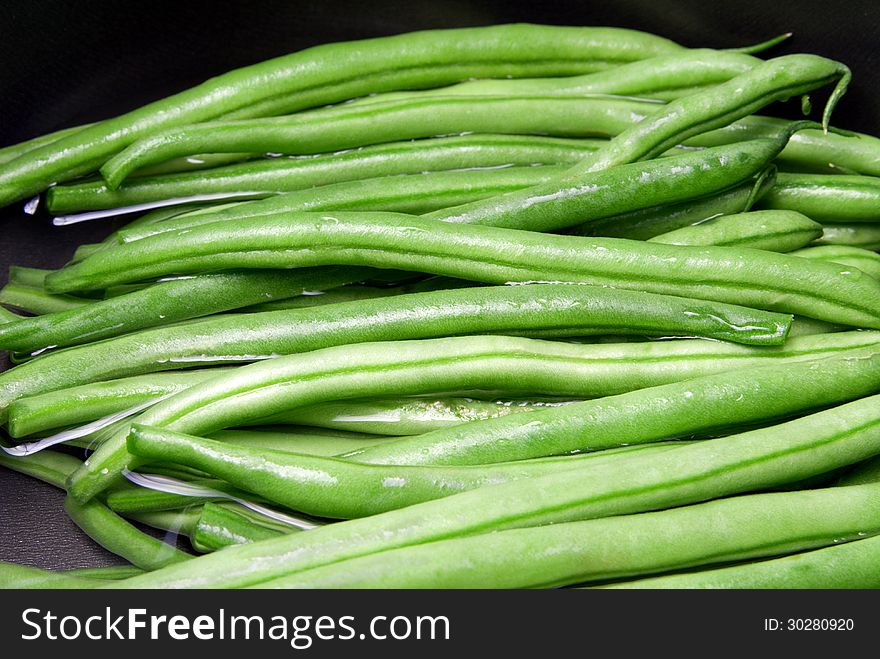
(13, 151)
(129, 500)
(329, 487)
(220, 526)
(772, 80)
(705, 470)
(167, 302)
(511, 365)
(738, 528)
(335, 72)
(664, 76)
(352, 126)
(774, 231)
(701, 405)
(175, 522)
(827, 197)
(849, 565)
(542, 310)
(75, 405)
(408, 416)
(404, 193)
(13, 575)
(38, 301)
(51, 467)
(118, 536)
(309, 441)
(492, 255)
(864, 235)
(649, 222)
(266, 177)
(864, 259)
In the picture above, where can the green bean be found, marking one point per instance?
(492, 255)
(264, 178)
(307, 441)
(649, 222)
(848, 565)
(515, 366)
(408, 416)
(50, 467)
(76, 405)
(705, 470)
(322, 487)
(864, 235)
(128, 499)
(406, 193)
(827, 197)
(181, 522)
(737, 528)
(111, 572)
(802, 326)
(356, 125)
(13, 575)
(220, 526)
(167, 302)
(774, 80)
(118, 536)
(863, 259)
(628, 187)
(775, 231)
(551, 310)
(335, 72)
(610, 192)
(701, 405)
(15, 150)
(664, 76)
(38, 301)
(360, 292)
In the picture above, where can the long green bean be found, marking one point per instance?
(863, 259)
(539, 310)
(492, 255)
(453, 364)
(700, 405)
(736, 528)
(705, 470)
(334, 72)
(167, 302)
(864, 235)
(827, 197)
(849, 565)
(776, 231)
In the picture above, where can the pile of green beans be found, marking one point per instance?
(503, 307)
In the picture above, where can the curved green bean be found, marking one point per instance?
(649, 222)
(354, 125)
(13, 575)
(863, 259)
(306, 440)
(324, 487)
(701, 405)
(403, 193)
(849, 565)
(335, 72)
(512, 365)
(118, 536)
(541, 310)
(737, 528)
(267, 177)
(663, 76)
(827, 197)
(75, 405)
(407, 416)
(775, 231)
(492, 255)
(864, 235)
(38, 301)
(221, 525)
(168, 302)
(51, 467)
(705, 470)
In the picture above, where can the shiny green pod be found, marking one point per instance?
(827, 197)
(864, 259)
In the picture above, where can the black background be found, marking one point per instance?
(65, 63)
